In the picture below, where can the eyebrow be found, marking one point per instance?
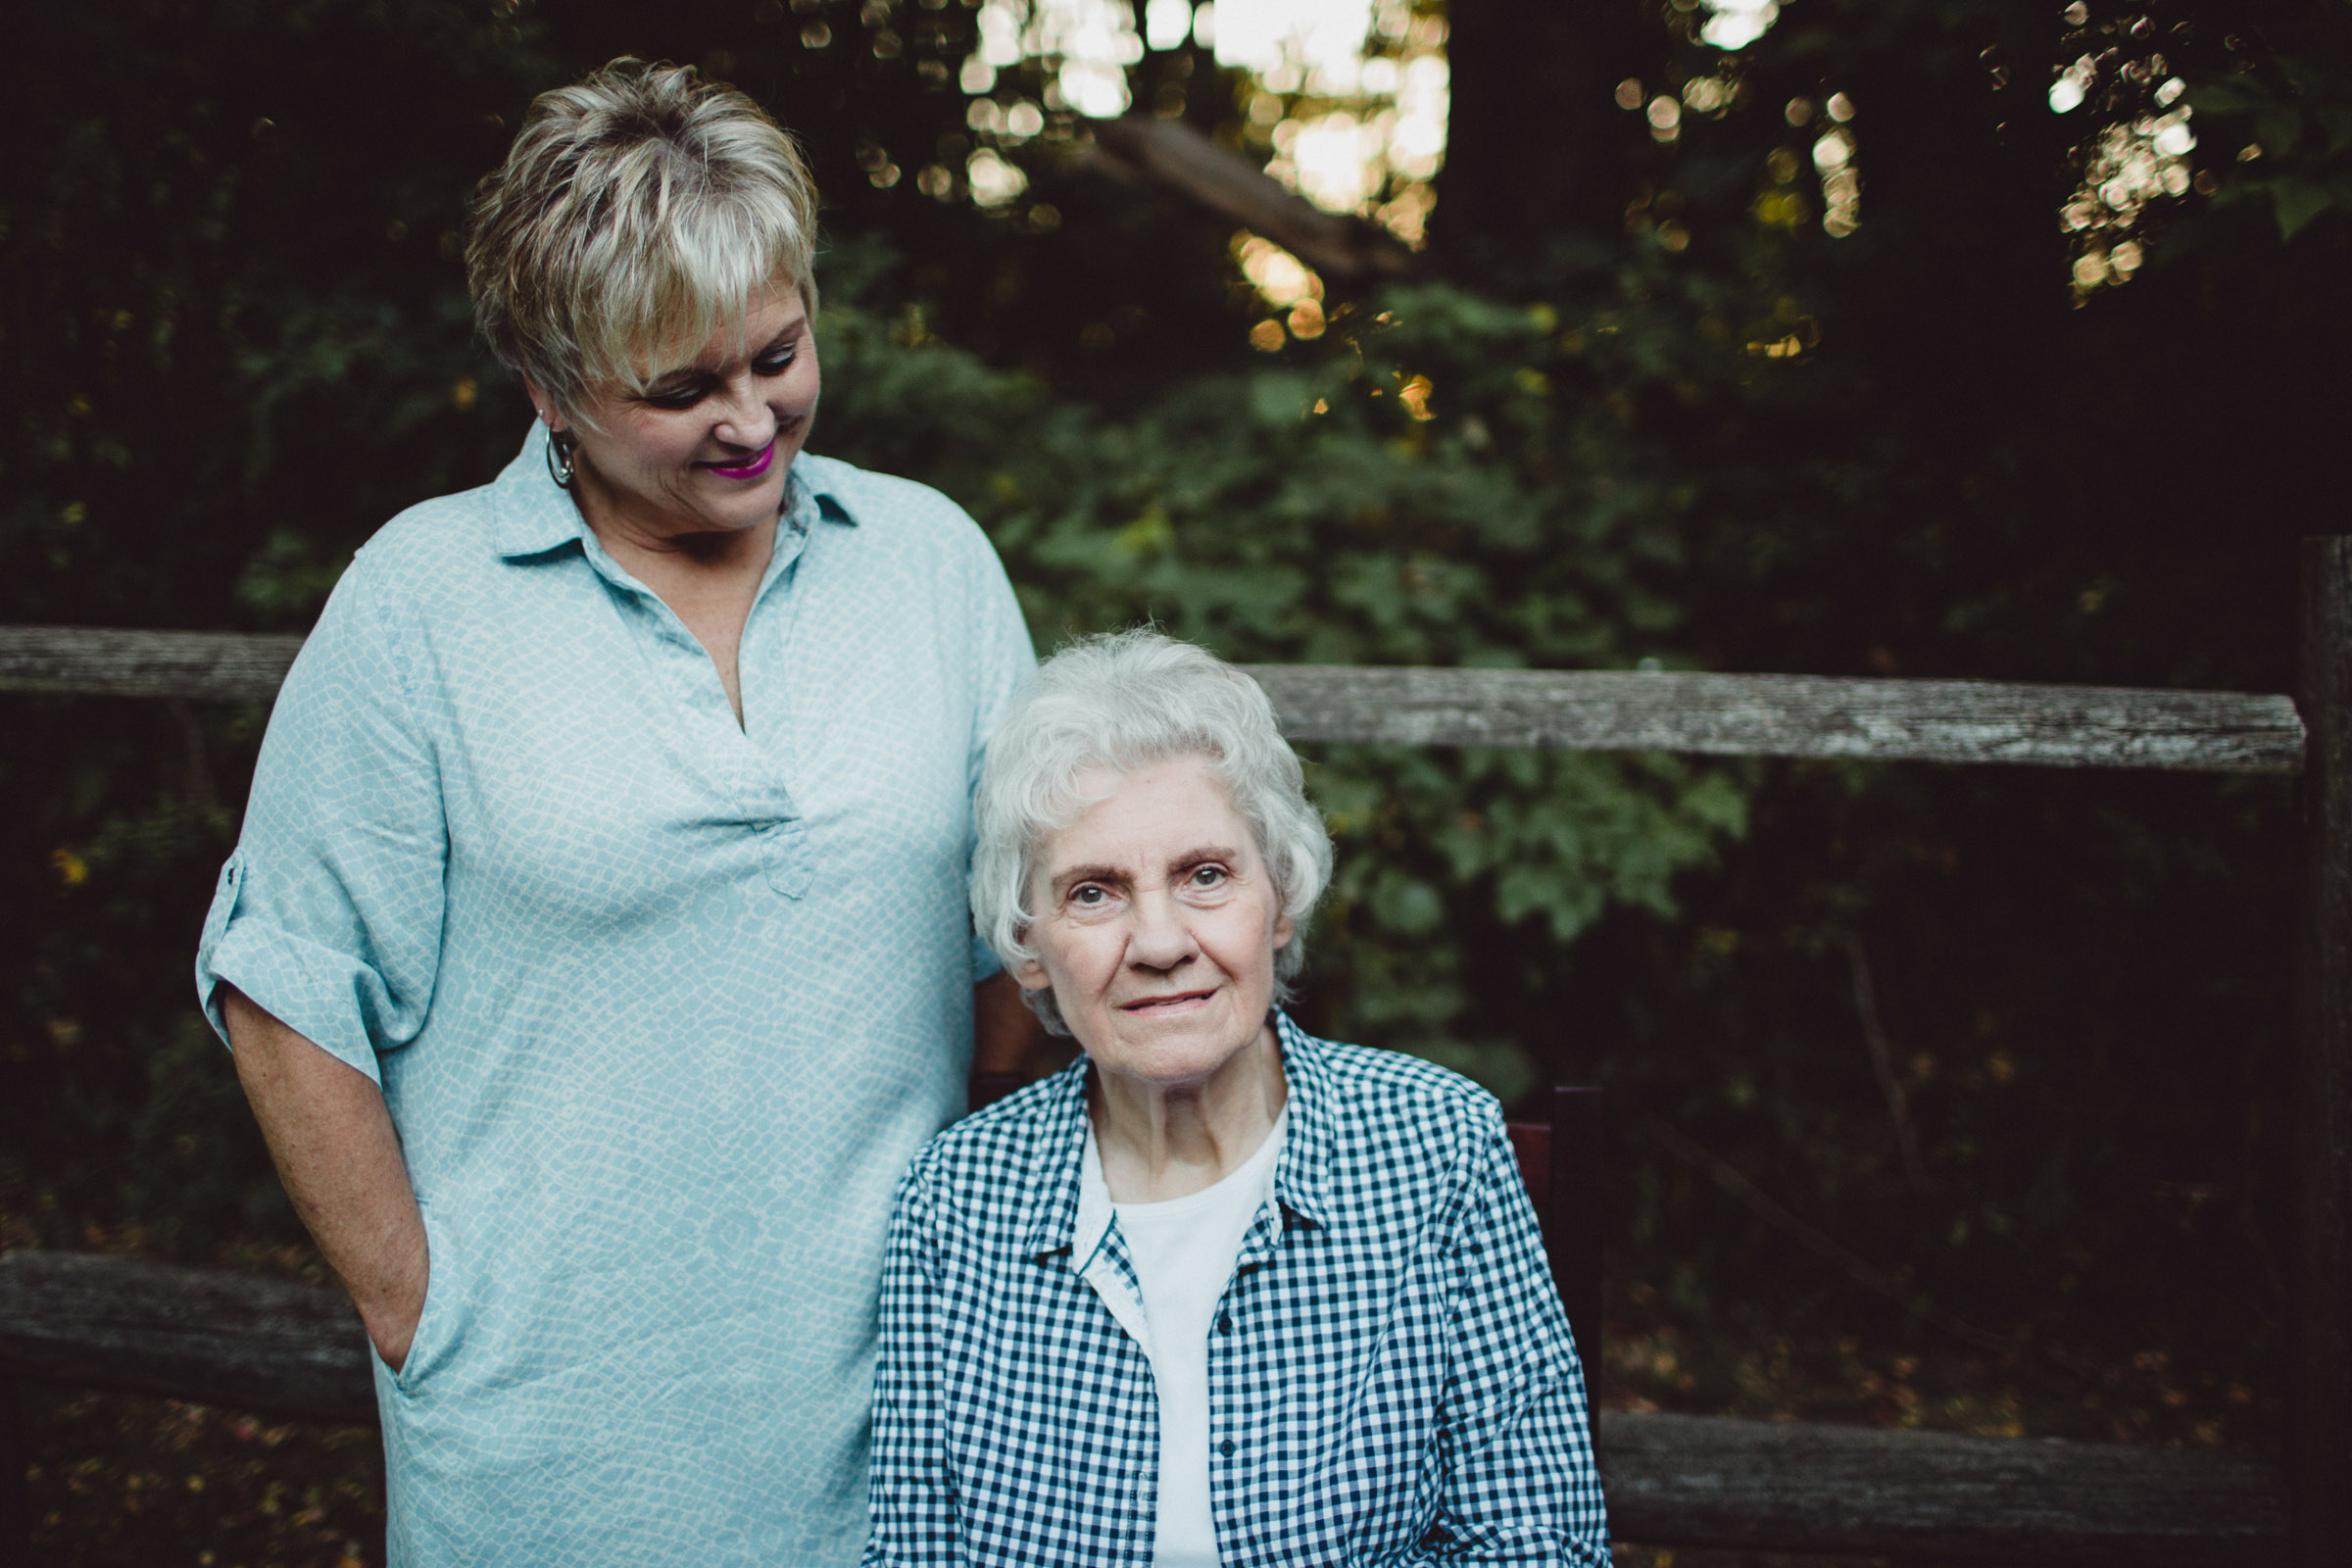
(1111, 873)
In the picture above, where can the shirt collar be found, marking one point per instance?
(1302, 1174)
(1064, 1222)
(532, 516)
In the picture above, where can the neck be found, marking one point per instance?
(639, 540)
(1161, 1140)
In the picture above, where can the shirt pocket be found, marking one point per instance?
(432, 1344)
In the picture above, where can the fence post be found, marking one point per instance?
(2319, 1379)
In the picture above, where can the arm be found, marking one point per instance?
(337, 1154)
(322, 942)
(1004, 1032)
(1520, 1485)
(912, 1503)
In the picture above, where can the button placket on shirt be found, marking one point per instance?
(785, 853)
(1259, 1247)
(745, 770)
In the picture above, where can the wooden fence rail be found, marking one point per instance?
(1670, 1480)
(1775, 715)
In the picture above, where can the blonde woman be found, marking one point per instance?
(596, 950)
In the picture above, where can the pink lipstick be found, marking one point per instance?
(748, 470)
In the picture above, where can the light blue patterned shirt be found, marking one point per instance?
(662, 1006)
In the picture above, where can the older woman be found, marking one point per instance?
(595, 952)
(1220, 1293)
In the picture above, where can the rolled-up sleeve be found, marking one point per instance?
(1521, 1486)
(328, 916)
(914, 1506)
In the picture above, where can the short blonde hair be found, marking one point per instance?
(1124, 700)
(637, 210)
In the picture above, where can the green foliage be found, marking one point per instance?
(2297, 119)
(1399, 498)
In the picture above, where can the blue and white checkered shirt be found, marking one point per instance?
(1391, 1376)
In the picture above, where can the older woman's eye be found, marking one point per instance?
(1208, 876)
(1088, 898)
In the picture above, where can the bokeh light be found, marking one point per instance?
(1737, 24)
(1280, 278)
(993, 180)
(2138, 154)
(1840, 179)
(1347, 99)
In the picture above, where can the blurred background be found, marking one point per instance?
(1974, 338)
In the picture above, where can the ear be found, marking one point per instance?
(545, 405)
(1030, 973)
(1284, 929)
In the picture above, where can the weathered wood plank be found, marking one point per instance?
(1675, 1480)
(2319, 1422)
(181, 1333)
(1790, 716)
(1714, 1481)
(96, 661)
(1761, 715)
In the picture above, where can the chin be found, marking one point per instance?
(745, 511)
(1168, 1053)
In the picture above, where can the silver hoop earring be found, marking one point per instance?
(559, 465)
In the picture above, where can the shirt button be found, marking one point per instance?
(1224, 1322)
(1226, 1448)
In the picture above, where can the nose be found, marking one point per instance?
(1159, 940)
(744, 418)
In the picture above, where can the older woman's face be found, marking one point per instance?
(705, 446)
(1156, 923)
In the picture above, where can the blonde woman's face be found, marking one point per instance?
(707, 445)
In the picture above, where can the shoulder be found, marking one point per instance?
(901, 513)
(420, 560)
(1398, 1135)
(1387, 1090)
(989, 1148)
(430, 562)
(430, 537)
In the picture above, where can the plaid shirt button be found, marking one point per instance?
(1226, 1448)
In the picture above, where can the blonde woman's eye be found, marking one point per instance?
(674, 399)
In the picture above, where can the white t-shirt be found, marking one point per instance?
(1184, 1250)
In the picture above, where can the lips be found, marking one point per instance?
(751, 469)
(1175, 1001)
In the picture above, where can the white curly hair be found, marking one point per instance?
(1123, 701)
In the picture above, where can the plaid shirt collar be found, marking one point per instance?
(1302, 1175)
